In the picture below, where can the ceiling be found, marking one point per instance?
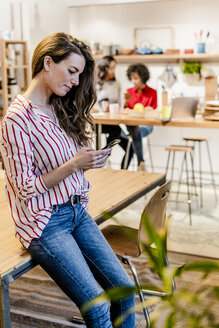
(79, 3)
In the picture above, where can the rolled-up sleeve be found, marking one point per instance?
(17, 153)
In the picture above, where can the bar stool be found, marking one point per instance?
(200, 140)
(172, 149)
(128, 151)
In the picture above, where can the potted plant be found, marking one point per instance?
(192, 72)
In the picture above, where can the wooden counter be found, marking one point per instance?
(116, 119)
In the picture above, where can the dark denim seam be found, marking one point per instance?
(98, 269)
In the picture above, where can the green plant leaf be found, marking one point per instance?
(112, 294)
(153, 258)
(204, 266)
(116, 293)
(192, 68)
(98, 300)
(216, 291)
(167, 278)
(170, 322)
(159, 260)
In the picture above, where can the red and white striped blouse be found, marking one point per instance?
(32, 145)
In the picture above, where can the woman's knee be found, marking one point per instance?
(146, 130)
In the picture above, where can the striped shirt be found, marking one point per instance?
(33, 145)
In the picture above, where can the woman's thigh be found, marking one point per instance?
(100, 257)
(146, 130)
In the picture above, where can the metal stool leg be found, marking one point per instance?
(193, 177)
(180, 181)
(188, 191)
(127, 153)
(173, 162)
(167, 165)
(200, 174)
(150, 154)
(211, 170)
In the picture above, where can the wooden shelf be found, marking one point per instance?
(11, 96)
(17, 66)
(164, 58)
(5, 69)
(14, 41)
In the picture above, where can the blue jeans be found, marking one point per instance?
(137, 133)
(73, 251)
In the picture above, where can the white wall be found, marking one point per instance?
(116, 22)
(46, 17)
(39, 18)
(5, 21)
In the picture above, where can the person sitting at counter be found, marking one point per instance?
(141, 93)
(108, 91)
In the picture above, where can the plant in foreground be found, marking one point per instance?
(191, 307)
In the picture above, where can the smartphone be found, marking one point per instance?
(112, 143)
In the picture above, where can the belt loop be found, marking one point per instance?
(75, 199)
(55, 208)
(72, 201)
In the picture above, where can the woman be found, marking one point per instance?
(108, 91)
(45, 147)
(138, 74)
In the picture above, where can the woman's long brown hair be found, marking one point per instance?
(72, 110)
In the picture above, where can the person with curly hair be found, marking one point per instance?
(44, 141)
(141, 93)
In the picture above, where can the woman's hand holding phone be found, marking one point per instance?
(88, 158)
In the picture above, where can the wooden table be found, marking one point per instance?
(120, 118)
(112, 191)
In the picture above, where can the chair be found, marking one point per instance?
(127, 248)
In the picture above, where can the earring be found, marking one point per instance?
(43, 76)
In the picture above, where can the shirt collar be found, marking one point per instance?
(143, 90)
(36, 110)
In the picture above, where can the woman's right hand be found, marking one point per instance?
(88, 158)
(127, 95)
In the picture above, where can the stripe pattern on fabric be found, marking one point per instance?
(32, 145)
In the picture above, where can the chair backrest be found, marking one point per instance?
(155, 209)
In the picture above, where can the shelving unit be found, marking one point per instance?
(16, 68)
(164, 58)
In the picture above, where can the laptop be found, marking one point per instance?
(184, 107)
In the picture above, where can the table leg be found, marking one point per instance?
(98, 137)
(5, 304)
